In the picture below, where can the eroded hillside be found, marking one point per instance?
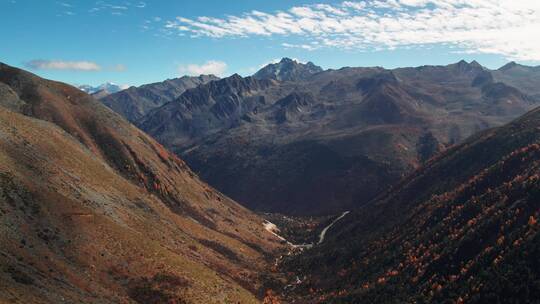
(94, 210)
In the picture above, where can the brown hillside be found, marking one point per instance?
(94, 210)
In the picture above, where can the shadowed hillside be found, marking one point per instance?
(462, 229)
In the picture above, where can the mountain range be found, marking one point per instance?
(135, 102)
(93, 210)
(296, 139)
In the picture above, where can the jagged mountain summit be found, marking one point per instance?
(332, 141)
(288, 70)
(133, 103)
(93, 210)
(464, 228)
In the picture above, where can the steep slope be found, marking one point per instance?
(288, 70)
(332, 141)
(462, 229)
(134, 102)
(205, 110)
(95, 211)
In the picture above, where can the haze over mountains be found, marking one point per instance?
(93, 210)
(296, 139)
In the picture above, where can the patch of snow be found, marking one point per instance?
(273, 229)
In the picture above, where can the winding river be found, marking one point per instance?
(323, 232)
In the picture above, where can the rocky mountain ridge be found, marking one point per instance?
(331, 141)
(134, 102)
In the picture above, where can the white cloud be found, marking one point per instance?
(119, 68)
(214, 67)
(504, 27)
(63, 65)
(118, 9)
(273, 61)
(308, 47)
(354, 5)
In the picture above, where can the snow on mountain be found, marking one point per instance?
(103, 89)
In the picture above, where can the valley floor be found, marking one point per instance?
(300, 234)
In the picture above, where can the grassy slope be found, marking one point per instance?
(93, 210)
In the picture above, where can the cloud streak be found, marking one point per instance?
(86, 66)
(115, 7)
(214, 67)
(119, 68)
(503, 27)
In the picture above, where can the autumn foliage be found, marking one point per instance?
(462, 229)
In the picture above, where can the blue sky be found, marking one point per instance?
(135, 42)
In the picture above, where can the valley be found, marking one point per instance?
(461, 238)
(270, 152)
(380, 191)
